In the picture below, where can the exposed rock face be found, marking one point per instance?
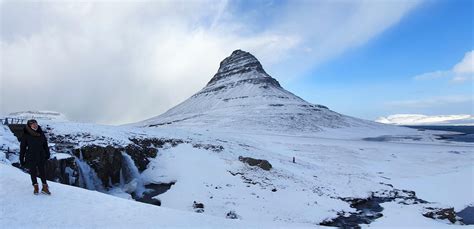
(441, 213)
(263, 164)
(64, 171)
(141, 151)
(106, 162)
(238, 63)
(242, 96)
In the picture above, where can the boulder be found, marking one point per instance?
(263, 164)
(441, 213)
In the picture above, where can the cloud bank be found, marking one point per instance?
(119, 62)
(461, 72)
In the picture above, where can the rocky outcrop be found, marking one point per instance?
(198, 207)
(263, 164)
(370, 209)
(64, 171)
(441, 213)
(232, 215)
(240, 62)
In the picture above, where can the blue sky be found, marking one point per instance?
(365, 79)
(92, 59)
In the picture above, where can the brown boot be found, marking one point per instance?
(35, 186)
(45, 190)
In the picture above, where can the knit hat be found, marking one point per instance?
(31, 121)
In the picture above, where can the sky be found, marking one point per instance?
(115, 62)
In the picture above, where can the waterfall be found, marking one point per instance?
(87, 177)
(130, 178)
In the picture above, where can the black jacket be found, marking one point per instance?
(33, 148)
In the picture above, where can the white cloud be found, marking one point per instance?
(466, 65)
(432, 75)
(461, 72)
(430, 102)
(116, 62)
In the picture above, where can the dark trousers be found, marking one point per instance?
(35, 168)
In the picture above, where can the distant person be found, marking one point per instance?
(34, 152)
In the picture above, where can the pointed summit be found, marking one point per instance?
(237, 64)
(241, 96)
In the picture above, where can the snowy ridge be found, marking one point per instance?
(419, 119)
(40, 115)
(243, 97)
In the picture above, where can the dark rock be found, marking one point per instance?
(198, 207)
(240, 62)
(369, 209)
(274, 190)
(64, 171)
(106, 162)
(441, 213)
(215, 148)
(152, 191)
(232, 215)
(140, 155)
(263, 164)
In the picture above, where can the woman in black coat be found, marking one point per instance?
(34, 152)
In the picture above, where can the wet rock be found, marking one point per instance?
(152, 191)
(106, 162)
(441, 213)
(140, 155)
(263, 164)
(64, 171)
(369, 209)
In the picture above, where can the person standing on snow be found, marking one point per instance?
(34, 152)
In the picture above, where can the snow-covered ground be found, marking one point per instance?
(419, 119)
(330, 165)
(244, 112)
(72, 207)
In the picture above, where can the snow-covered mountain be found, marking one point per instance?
(39, 115)
(419, 119)
(241, 95)
(234, 153)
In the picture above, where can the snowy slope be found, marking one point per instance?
(243, 97)
(71, 207)
(243, 111)
(330, 165)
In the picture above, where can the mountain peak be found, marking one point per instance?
(238, 63)
(241, 96)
